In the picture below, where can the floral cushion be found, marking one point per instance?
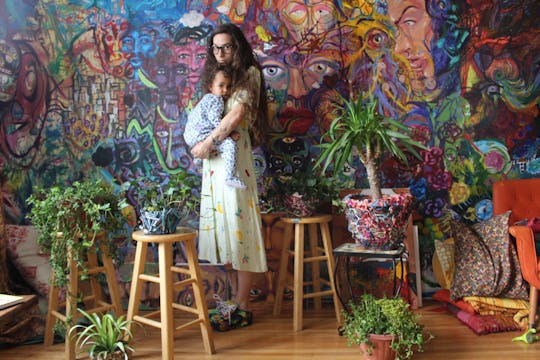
(23, 250)
(486, 262)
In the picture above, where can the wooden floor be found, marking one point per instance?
(273, 338)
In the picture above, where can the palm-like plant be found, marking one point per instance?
(106, 337)
(362, 126)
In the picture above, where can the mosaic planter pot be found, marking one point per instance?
(378, 224)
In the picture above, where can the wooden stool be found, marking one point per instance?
(317, 254)
(72, 292)
(167, 286)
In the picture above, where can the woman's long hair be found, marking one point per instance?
(243, 58)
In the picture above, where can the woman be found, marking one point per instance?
(230, 223)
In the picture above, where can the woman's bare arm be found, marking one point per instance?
(228, 124)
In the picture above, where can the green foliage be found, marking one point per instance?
(385, 317)
(361, 126)
(104, 335)
(79, 212)
(152, 194)
(315, 188)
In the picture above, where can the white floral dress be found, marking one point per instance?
(230, 219)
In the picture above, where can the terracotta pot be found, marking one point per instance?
(380, 350)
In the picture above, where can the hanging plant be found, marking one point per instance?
(69, 219)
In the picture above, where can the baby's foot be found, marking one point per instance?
(236, 183)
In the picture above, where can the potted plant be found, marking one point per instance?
(361, 128)
(162, 204)
(301, 193)
(104, 337)
(79, 213)
(379, 325)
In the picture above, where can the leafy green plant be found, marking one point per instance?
(106, 337)
(386, 316)
(360, 125)
(152, 193)
(315, 189)
(177, 195)
(69, 219)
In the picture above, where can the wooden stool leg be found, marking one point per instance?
(71, 306)
(315, 267)
(52, 307)
(136, 283)
(165, 300)
(282, 275)
(97, 294)
(200, 298)
(533, 301)
(112, 283)
(328, 250)
(298, 276)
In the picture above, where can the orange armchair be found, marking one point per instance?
(522, 196)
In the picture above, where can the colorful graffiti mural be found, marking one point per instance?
(106, 87)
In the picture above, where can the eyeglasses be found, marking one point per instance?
(226, 49)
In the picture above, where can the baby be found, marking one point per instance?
(206, 116)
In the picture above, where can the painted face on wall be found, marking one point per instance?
(169, 78)
(192, 55)
(413, 40)
(140, 45)
(291, 79)
(305, 19)
(289, 155)
(189, 48)
(22, 118)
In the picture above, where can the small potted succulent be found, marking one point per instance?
(104, 337)
(384, 327)
(163, 203)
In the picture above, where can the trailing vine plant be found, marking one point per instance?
(69, 219)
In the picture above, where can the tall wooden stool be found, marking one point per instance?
(167, 287)
(94, 301)
(316, 255)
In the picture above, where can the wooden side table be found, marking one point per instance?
(16, 320)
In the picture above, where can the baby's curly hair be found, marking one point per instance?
(207, 77)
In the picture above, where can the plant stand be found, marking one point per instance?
(72, 291)
(316, 254)
(352, 250)
(167, 287)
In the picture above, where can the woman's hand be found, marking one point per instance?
(203, 149)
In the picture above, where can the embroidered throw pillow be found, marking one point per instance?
(486, 262)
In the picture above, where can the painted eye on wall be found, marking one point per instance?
(273, 70)
(491, 90)
(376, 38)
